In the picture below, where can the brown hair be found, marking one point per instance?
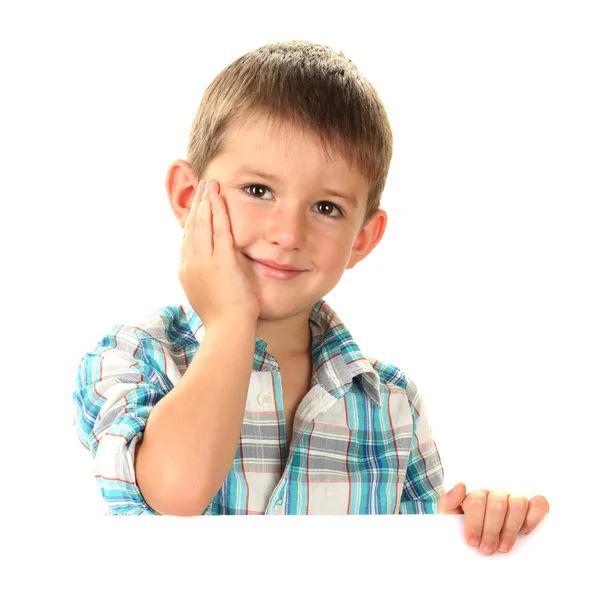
(306, 85)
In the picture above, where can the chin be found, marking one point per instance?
(277, 309)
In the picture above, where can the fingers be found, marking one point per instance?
(221, 227)
(515, 515)
(495, 513)
(450, 502)
(474, 509)
(204, 226)
(188, 246)
(493, 519)
(207, 227)
(538, 509)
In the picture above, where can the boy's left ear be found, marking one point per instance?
(368, 237)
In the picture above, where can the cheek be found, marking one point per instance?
(333, 252)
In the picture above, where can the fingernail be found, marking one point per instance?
(474, 542)
(504, 546)
(208, 182)
(524, 530)
(488, 550)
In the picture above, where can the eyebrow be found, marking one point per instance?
(251, 171)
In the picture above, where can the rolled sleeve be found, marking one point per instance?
(116, 390)
(424, 481)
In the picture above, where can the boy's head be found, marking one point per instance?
(304, 116)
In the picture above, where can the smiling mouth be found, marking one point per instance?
(272, 272)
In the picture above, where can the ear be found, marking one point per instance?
(181, 184)
(368, 237)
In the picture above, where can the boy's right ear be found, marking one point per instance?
(181, 184)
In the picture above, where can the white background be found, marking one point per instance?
(483, 290)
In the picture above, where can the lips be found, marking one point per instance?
(275, 265)
(280, 272)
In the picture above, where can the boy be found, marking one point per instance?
(253, 398)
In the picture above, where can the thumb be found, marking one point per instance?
(450, 502)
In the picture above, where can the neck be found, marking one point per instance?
(286, 338)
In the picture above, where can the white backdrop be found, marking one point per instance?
(492, 242)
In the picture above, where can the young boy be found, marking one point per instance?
(254, 398)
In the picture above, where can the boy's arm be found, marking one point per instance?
(192, 435)
(170, 457)
(116, 390)
(424, 481)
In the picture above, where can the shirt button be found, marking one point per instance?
(278, 509)
(265, 399)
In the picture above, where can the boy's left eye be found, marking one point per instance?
(258, 186)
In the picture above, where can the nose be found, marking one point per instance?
(286, 226)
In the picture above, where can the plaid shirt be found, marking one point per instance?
(361, 439)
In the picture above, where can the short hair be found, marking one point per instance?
(307, 85)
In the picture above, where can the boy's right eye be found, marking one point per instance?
(255, 186)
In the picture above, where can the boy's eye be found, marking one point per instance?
(255, 186)
(257, 190)
(333, 208)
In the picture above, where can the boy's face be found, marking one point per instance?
(284, 217)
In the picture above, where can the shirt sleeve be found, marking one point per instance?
(116, 388)
(424, 481)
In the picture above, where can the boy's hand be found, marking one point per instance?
(210, 271)
(493, 519)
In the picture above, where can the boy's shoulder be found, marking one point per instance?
(393, 376)
(164, 331)
(168, 325)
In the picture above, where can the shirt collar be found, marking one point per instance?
(338, 359)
